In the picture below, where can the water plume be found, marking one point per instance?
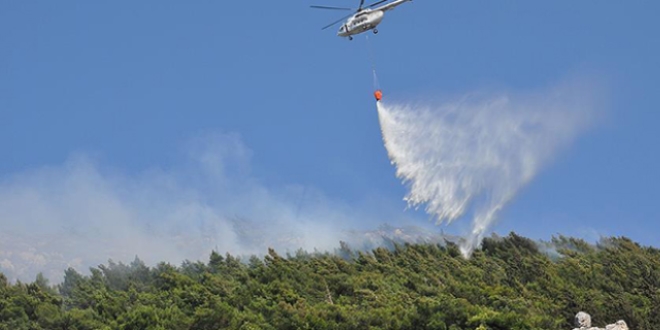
(470, 156)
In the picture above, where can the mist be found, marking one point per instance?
(81, 213)
(465, 158)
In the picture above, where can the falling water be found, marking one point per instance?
(469, 157)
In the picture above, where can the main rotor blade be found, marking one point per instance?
(376, 4)
(333, 8)
(337, 21)
(361, 4)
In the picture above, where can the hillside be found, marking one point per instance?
(510, 283)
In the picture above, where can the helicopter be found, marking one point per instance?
(365, 18)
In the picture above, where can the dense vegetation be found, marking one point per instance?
(508, 284)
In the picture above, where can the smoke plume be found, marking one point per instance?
(81, 214)
(470, 156)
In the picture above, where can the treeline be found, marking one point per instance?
(511, 283)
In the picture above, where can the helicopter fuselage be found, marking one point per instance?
(366, 19)
(363, 21)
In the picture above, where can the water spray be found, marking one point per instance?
(469, 157)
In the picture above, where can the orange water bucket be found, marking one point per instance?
(378, 94)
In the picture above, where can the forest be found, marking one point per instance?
(511, 282)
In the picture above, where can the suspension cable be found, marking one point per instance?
(373, 64)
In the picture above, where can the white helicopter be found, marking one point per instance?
(364, 19)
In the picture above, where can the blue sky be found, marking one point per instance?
(130, 84)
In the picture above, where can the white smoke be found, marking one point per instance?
(472, 155)
(80, 214)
